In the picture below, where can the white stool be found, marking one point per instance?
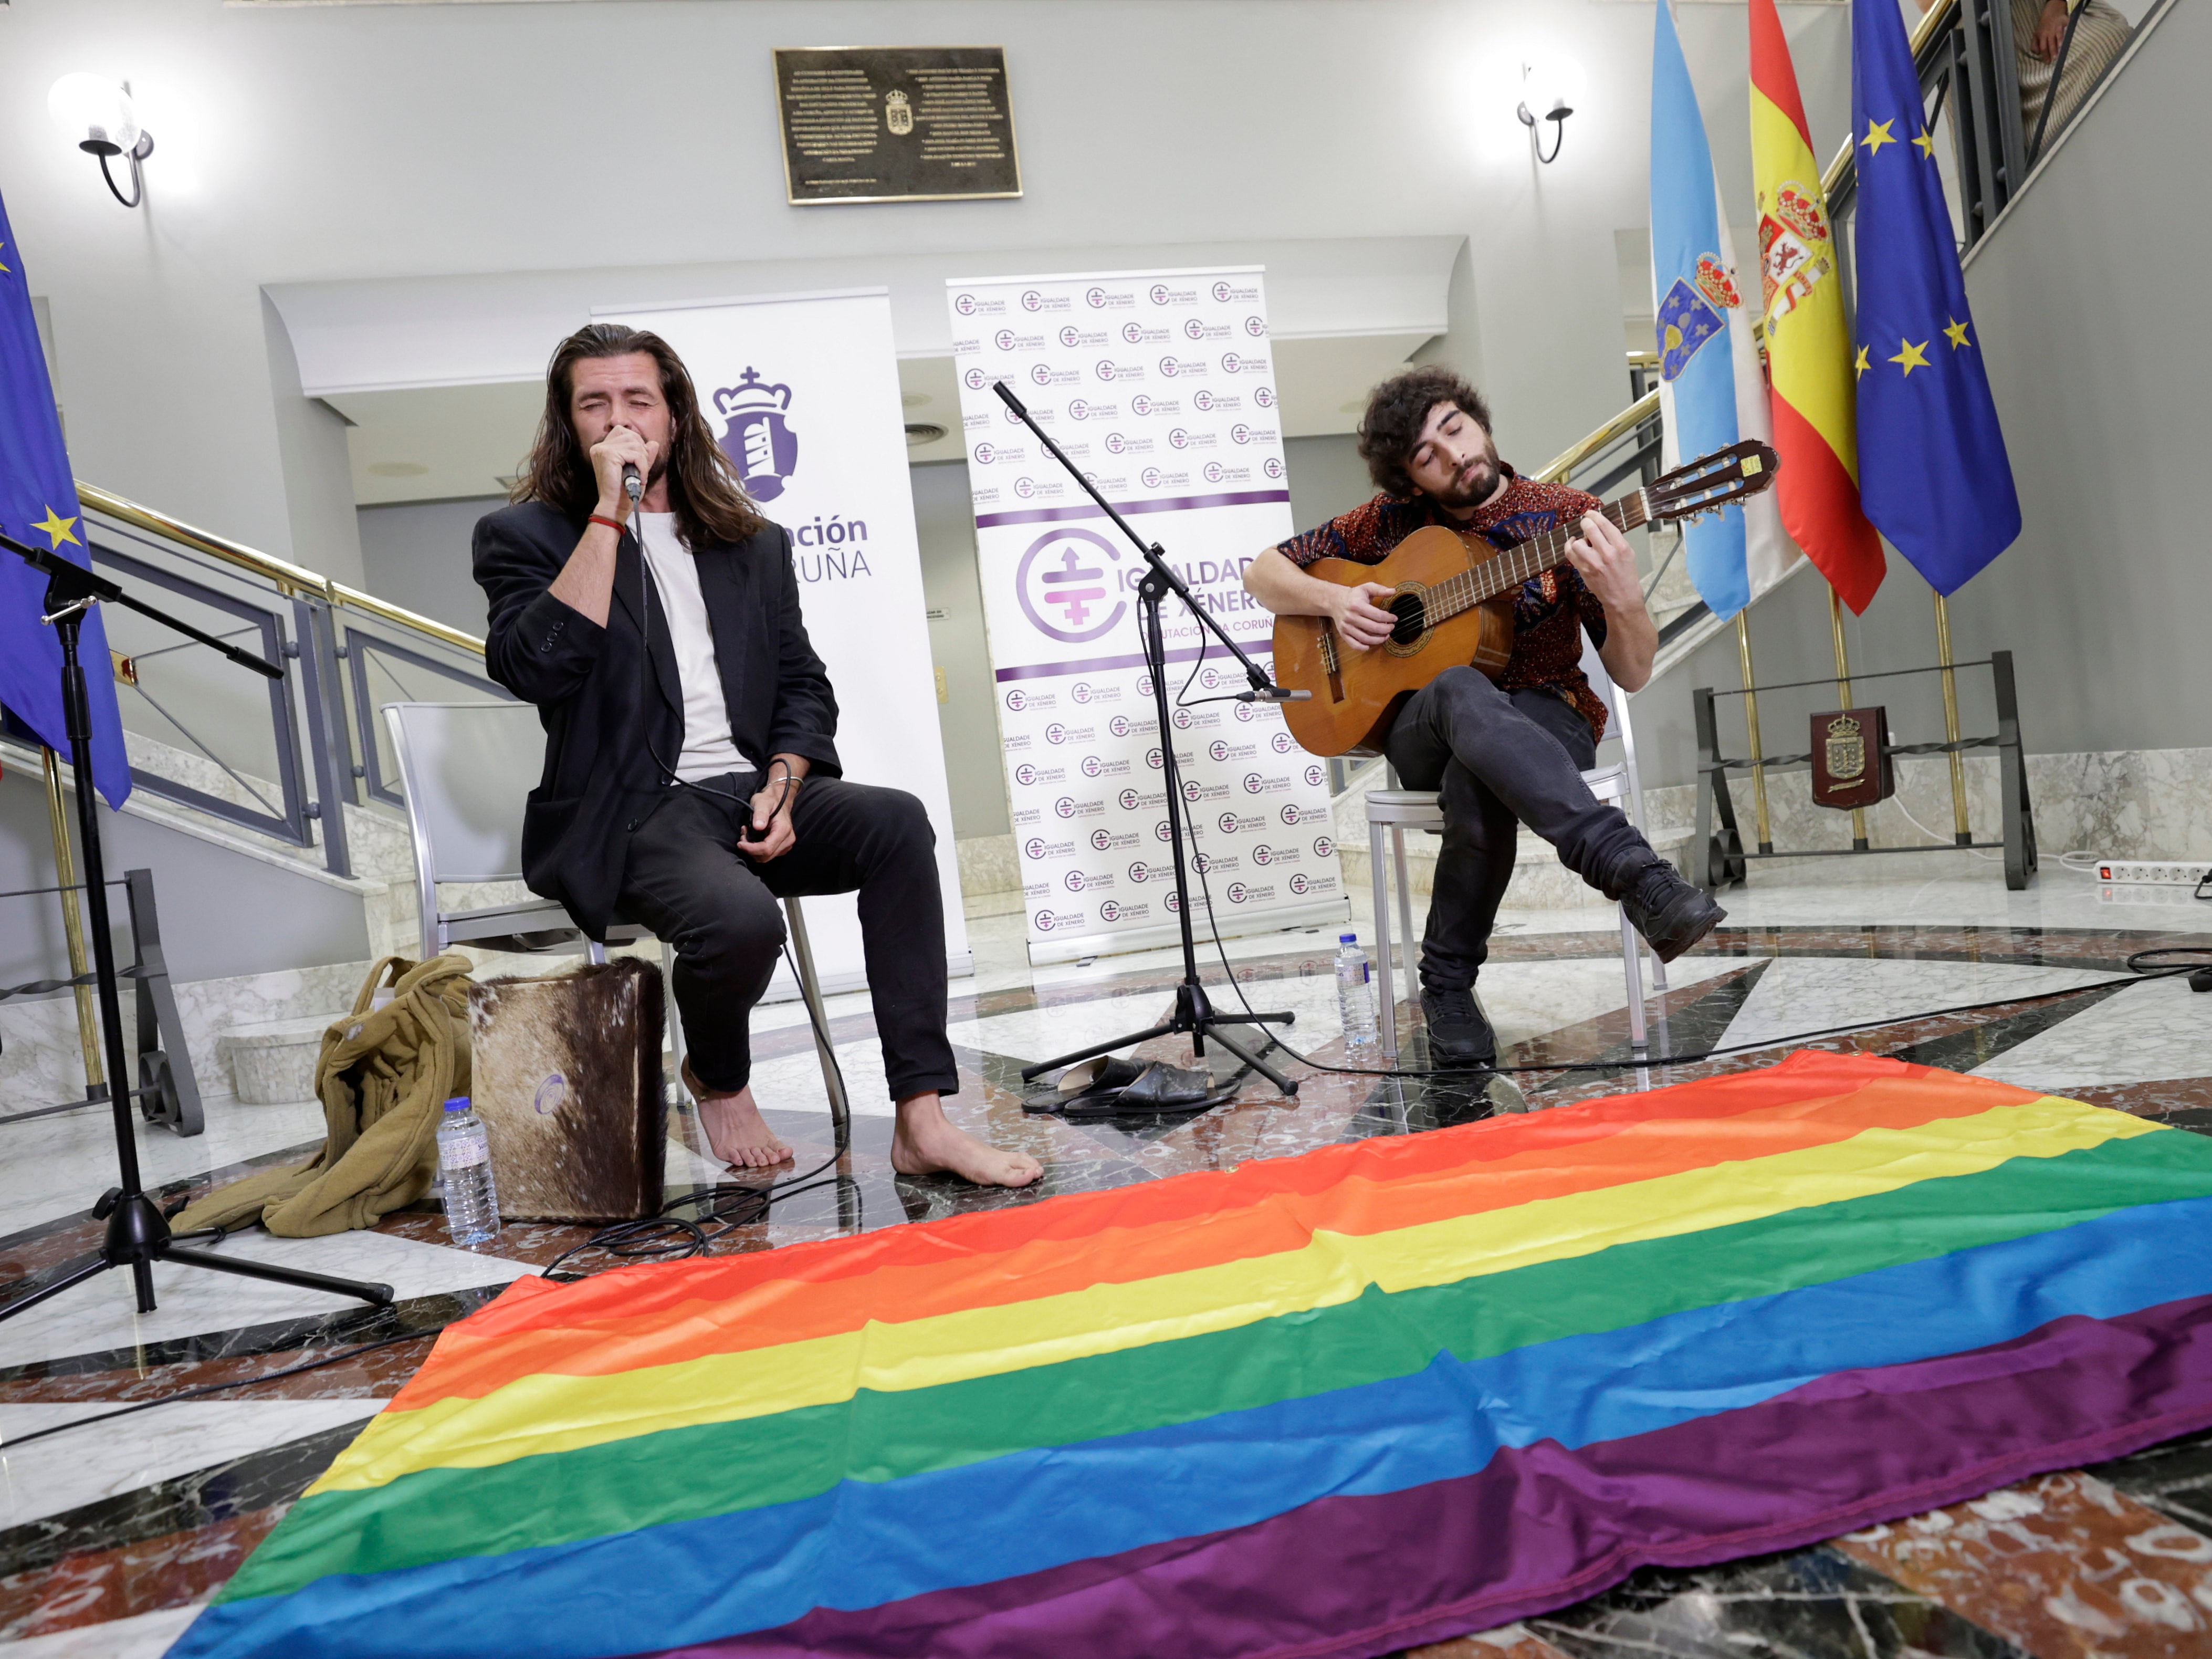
(1398, 811)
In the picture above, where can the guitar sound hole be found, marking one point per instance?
(1413, 618)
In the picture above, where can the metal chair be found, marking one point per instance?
(465, 768)
(1397, 810)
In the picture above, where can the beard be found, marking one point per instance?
(1474, 483)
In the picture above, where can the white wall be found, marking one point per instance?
(319, 143)
(415, 554)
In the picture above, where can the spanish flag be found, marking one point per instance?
(1807, 344)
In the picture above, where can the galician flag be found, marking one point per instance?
(1933, 472)
(39, 506)
(1808, 349)
(1710, 391)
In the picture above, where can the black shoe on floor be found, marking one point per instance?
(1670, 913)
(1458, 1034)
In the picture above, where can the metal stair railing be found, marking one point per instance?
(342, 650)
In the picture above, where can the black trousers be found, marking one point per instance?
(686, 881)
(1502, 759)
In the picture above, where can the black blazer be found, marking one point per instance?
(598, 701)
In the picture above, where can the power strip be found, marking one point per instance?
(2151, 873)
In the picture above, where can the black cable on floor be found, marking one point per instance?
(729, 1205)
(206, 1389)
(663, 1237)
(2135, 976)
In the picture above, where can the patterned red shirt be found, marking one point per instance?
(1549, 613)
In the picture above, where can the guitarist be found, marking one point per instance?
(1501, 754)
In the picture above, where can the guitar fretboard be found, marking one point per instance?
(1517, 564)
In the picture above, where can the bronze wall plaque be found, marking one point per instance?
(1850, 758)
(895, 123)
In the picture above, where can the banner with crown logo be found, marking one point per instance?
(802, 392)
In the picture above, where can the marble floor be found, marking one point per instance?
(112, 1534)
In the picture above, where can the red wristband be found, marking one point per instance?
(601, 518)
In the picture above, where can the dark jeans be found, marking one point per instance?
(1502, 759)
(686, 881)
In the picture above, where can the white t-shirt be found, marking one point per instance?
(708, 750)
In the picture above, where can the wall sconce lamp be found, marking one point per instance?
(97, 116)
(1550, 89)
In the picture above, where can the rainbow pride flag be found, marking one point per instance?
(1378, 1395)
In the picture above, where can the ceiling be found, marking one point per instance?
(441, 380)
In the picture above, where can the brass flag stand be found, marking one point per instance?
(88, 1017)
(1764, 822)
(1962, 833)
(1843, 701)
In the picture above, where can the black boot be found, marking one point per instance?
(1458, 1034)
(1670, 913)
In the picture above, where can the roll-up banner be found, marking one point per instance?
(801, 391)
(1161, 387)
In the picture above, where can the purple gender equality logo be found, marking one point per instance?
(759, 443)
(1067, 583)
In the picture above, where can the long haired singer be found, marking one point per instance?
(1505, 754)
(691, 775)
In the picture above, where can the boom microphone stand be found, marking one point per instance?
(1193, 1012)
(138, 1232)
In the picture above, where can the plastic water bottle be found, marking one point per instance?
(464, 1163)
(1355, 994)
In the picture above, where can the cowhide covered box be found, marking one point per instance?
(567, 1082)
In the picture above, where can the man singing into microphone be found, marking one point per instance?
(1505, 754)
(691, 778)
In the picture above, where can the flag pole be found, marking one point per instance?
(87, 1021)
(1843, 699)
(1751, 730)
(1962, 830)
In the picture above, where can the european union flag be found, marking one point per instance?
(1933, 472)
(39, 506)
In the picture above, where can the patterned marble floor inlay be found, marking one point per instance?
(110, 1534)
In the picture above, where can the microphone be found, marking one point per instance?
(633, 483)
(1008, 397)
(1274, 694)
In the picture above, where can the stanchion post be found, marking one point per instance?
(1751, 730)
(1961, 828)
(1843, 701)
(88, 1017)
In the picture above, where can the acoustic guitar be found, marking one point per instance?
(1453, 592)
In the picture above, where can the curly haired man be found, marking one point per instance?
(1502, 753)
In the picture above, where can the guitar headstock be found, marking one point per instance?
(1712, 482)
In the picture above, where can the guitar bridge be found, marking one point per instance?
(1328, 661)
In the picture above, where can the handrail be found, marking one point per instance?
(291, 579)
(1635, 414)
(354, 599)
(1931, 23)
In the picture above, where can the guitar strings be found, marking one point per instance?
(1474, 587)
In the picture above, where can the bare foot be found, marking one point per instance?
(926, 1143)
(734, 1128)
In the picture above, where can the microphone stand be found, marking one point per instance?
(138, 1232)
(1194, 1013)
